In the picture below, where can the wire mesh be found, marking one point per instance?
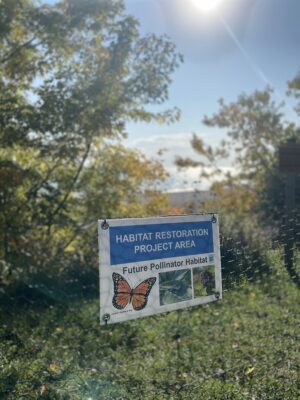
(243, 347)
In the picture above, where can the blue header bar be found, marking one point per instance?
(136, 243)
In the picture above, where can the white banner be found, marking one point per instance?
(154, 265)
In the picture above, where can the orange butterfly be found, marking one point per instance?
(124, 295)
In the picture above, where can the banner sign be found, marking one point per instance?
(154, 265)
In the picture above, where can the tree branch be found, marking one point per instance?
(74, 180)
(35, 188)
(79, 228)
(15, 50)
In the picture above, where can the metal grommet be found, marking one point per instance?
(104, 225)
(106, 318)
(217, 295)
(214, 219)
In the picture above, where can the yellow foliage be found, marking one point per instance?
(249, 370)
(43, 390)
(54, 368)
(236, 325)
(239, 200)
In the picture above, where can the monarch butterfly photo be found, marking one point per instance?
(124, 294)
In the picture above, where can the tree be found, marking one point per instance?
(71, 75)
(294, 90)
(255, 191)
(112, 187)
(255, 129)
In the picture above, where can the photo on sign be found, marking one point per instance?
(175, 286)
(125, 295)
(204, 281)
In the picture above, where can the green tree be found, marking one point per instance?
(255, 128)
(294, 90)
(71, 75)
(251, 198)
(112, 186)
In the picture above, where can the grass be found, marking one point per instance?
(243, 347)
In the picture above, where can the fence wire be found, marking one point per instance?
(245, 346)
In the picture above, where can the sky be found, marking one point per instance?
(241, 46)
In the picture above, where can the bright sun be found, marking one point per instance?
(207, 5)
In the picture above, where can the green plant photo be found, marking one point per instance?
(175, 286)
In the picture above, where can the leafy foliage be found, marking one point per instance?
(175, 286)
(253, 194)
(255, 128)
(71, 75)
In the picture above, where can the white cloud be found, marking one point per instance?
(166, 148)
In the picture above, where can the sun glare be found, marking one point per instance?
(207, 5)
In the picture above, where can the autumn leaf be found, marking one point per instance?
(54, 368)
(249, 370)
(43, 390)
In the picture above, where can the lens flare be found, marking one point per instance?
(207, 5)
